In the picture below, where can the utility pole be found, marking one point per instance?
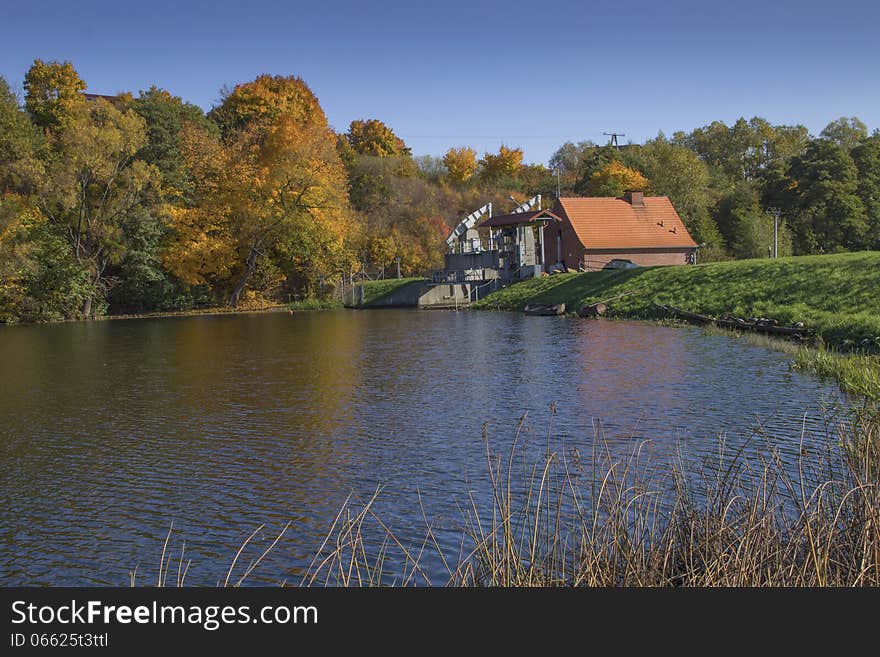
(614, 136)
(557, 183)
(775, 212)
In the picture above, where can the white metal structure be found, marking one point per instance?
(534, 202)
(466, 224)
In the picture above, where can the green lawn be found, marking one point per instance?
(838, 296)
(374, 290)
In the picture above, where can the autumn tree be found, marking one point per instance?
(460, 163)
(372, 137)
(88, 180)
(614, 179)
(264, 100)
(503, 164)
(272, 194)
(53, 92)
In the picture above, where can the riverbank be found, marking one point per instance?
(371, 292)
(196, 312)
(304, 305)
(833, 295)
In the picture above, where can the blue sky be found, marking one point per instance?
(450, 73)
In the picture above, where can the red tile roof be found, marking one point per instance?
(612, 223)
(518, 218)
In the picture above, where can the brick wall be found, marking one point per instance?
(594, 259)
(572, 249)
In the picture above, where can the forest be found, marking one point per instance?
(143, 203)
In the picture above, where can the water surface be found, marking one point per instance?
(111, 430)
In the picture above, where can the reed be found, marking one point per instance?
(554, 522)
(561, 520)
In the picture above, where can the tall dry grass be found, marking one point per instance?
(562, 520)
(556, 522)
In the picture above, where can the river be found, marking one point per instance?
(112, 430)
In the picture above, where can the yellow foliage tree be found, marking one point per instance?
(90, 181)
(53, 92)
(273, 189)
(374, 138)
(267, 99)
(460, 163)
(506, 162)
(614, 179)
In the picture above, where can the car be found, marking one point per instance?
(620, 263)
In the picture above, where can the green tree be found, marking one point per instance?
(19, 142)
(846, 132)
(824, 207)
(743, 151)
(867, 160)
(164, 116)
(745, 225)
(677, 172)
(575, 162)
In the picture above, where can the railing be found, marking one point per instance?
(456, 275)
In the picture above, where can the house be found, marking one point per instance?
(518, 239)
(505, 247)
(592, 231)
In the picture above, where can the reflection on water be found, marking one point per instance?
(111, 430)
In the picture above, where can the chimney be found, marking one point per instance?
(636, 197)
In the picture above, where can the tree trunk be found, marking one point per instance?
(250, 266)
(87, 307)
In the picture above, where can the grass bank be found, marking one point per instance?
(856, 374)
(375, 290)
(834, 295)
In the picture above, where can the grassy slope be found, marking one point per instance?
(836, 295)
(374, 290)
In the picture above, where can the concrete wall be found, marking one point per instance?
(463, 261)
(428, 295)
(408, 295)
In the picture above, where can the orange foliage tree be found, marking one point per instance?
(272, 192)
(614, 179)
